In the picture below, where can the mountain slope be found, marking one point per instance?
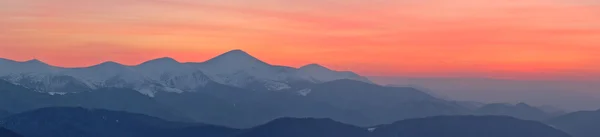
(4, 113)
(239, 108)
(304, 127)
(467, 126)
(348, 101)
(578, 124)
(80, 122)
(215, 104)
(7, 133)
(49, 82)
(318, 73)
(378, 103)
(15, 98)
(521, 110)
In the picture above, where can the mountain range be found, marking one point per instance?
(235, 68)
(82, 122)
(233, 89)
(468, 126)
(359, 104)
(521, 110)
(564, 93)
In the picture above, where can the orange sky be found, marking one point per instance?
(499, 38)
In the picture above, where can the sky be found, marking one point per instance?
(525, 39)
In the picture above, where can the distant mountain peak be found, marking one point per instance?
(34, 61)
(524, 105)
(236, 53)
(109, 64)
(163, 60)
(167, 59)
(236, 57)
(314, 66)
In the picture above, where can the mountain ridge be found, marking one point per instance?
(467, 126)
(578, 124)
(232, 89)
(234, 68)
(77, 122)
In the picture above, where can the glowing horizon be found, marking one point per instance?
(522, 39)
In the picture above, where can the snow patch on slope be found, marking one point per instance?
(276, 86)
(147, 91)
(371, 129)
(305, 92)
(57, 93)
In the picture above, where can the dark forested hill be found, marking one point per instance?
(7, 133)
(467, 126)
(579, 124)
(81, 122)
(304, 127)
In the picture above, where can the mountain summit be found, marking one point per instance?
(161, 61)
(35, 61)
(233, 61)
(235, 57)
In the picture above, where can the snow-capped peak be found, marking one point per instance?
(235, 61)
(238, 68)
(238, 57)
